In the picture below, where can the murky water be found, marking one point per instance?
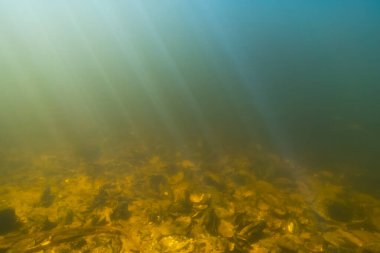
(199, 126)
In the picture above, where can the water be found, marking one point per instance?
(141, 94)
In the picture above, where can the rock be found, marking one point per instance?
(8, 220)
(155, 214)
(342, 239)
(100, 199)
(249, 234)
(187, 164)
(276, 224)
(368, 239)
(4, 249)
(339, 211)
(47, 198)
(226, 229)
(334, 239)
(176, 178)
(65, 216)
(38, 223)
(176, 244)
(215, 181)
(263, 206)
(351, 238)
(121, 211)
(211, 221)
(225, 211)
(279, 212)
(200, 201)
(292, 227)
(315, 244)
(259, 250)
(157, 183)
(198, 198)
(288, 243)
(373, 247)
(183, 224)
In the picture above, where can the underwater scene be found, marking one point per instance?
(189, 126)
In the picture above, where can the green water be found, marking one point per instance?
(300, 79)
